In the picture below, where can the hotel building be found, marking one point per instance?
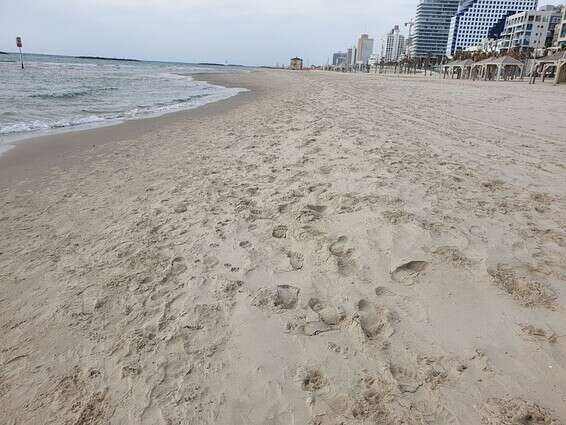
(476, 20)
(432, 24)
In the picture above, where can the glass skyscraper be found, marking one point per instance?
(477, 20)
(432, 25)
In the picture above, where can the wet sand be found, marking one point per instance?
(31, 157)
(326, 249)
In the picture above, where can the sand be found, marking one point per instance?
(327, 249)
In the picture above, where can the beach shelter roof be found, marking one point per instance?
(467, 62)
(560, 55)
(502, 60)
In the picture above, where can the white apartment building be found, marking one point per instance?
(393, 45)
(480, 19)
(364, 50)
(530, 30)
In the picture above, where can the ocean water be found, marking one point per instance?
(58, 92)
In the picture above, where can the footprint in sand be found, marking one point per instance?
(317, 208)
(311, 213)
(210, 262)
(375, 321)
(178, 266)
(347, 203)
(284, 297)
(312, 380)
(180, 208)
(300, 326)
(340, 247)
(287, 296)
(408, 273)
(515, 411)
(280, 232)
(534, 333)
(328, 314)
(382, 291)
(296, 260)
(408, 381)
(342, 251)
(525, 291)
(453, 256)
(329, 317)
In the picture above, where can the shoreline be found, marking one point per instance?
(29, 156)
(11, 139)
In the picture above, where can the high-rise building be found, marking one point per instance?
(479, 19)
(561, 39)
(409, 38)
(349, 56)
(432, 24)
(393, 45)
(339, 58)
(365, 49)
(533, 29)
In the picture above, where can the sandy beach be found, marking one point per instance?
(325, 249)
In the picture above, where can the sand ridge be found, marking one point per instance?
(340, 249)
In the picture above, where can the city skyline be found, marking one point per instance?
(432, 23)
(240, 32)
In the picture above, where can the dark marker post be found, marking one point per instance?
(19, 44)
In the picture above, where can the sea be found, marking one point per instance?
(59, 93)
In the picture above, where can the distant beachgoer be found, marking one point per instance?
(534, 75)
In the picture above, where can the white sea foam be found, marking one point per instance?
(136, 113)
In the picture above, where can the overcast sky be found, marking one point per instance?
(250, 32)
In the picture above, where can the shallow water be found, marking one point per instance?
(58, 92)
